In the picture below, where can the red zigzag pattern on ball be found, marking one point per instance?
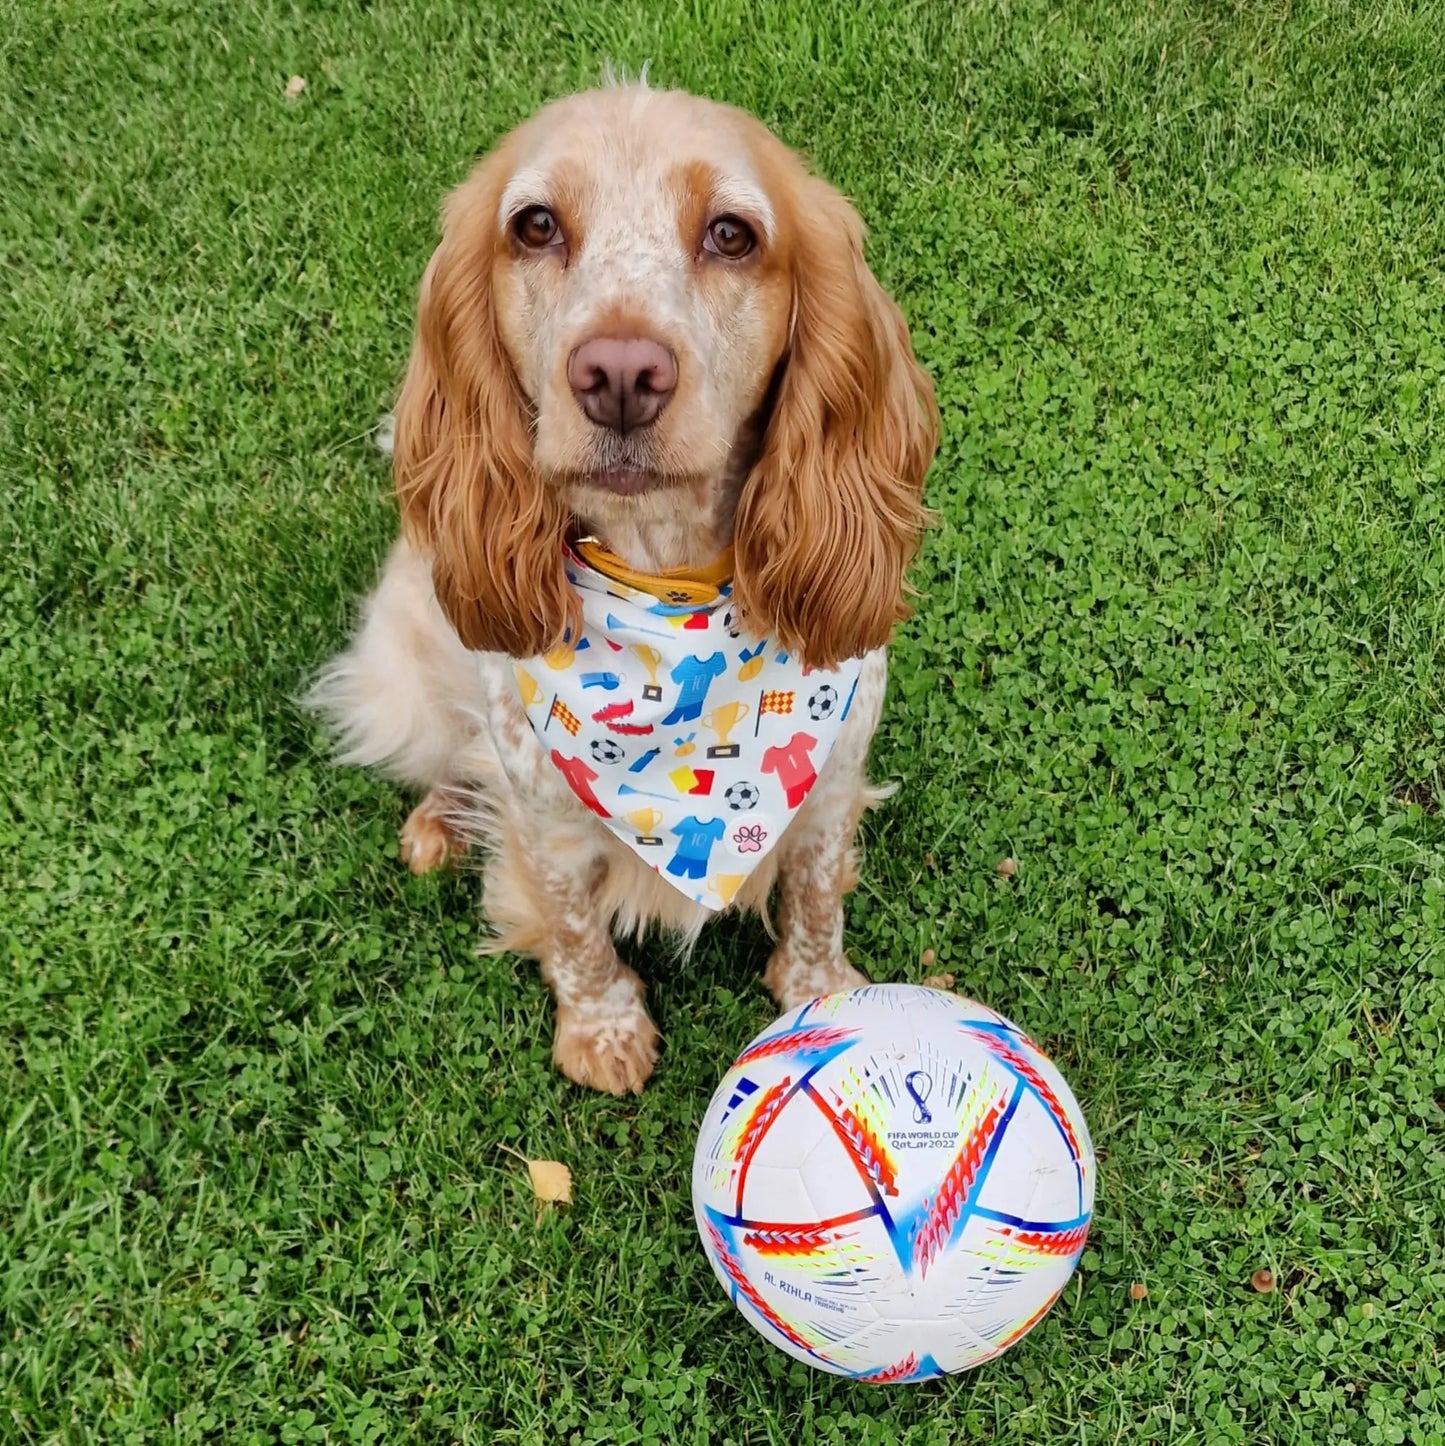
(774, 1098)
(1026, 1071)
(1020, 1331)
(869, 1151)
(889, 1374)
(803, 1041)
(805, 1240)
(750, 1292)
(1053, 1242)
(937, 1225)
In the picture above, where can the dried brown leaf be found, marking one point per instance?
(939, 981)
(551, 1181)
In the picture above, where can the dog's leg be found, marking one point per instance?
(428, 837)
(814, 873)
(541, 894)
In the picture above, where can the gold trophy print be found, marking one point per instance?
(645, 820)
(722, 721)
(650, 658)
(725, 886)
(527, 686)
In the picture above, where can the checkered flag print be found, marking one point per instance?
(565, 716)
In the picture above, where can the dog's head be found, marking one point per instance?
(645, 313)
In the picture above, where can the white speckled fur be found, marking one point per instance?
(408, 698)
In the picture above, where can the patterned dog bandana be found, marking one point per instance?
(693, 742)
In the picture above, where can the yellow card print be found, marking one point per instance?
(684, 780)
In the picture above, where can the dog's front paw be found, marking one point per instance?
(427, 839)
(614, 1052)
(794, 981)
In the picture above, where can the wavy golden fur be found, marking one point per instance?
(832, 513)
(828, 518)
(785, 417)
(469, 492)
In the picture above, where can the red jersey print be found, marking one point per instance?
(679, 729)
(793, 764)
(580, 779)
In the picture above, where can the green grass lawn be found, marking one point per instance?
(1175, 269)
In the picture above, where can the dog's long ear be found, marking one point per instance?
(831, 516)
(469, 494)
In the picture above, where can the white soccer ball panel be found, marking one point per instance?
(777, 1193)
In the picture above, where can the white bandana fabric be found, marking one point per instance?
(694, 743)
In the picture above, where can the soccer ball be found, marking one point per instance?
(606, 750)
(822, 703)
(741, 796)
(893, 1183)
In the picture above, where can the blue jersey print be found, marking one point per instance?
(694, 675)
(695, 840)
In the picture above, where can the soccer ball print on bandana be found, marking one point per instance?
(693, 742)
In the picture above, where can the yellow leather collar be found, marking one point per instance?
(680, 585)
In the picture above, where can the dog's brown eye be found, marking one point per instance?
(729, 237)
(537, 227)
